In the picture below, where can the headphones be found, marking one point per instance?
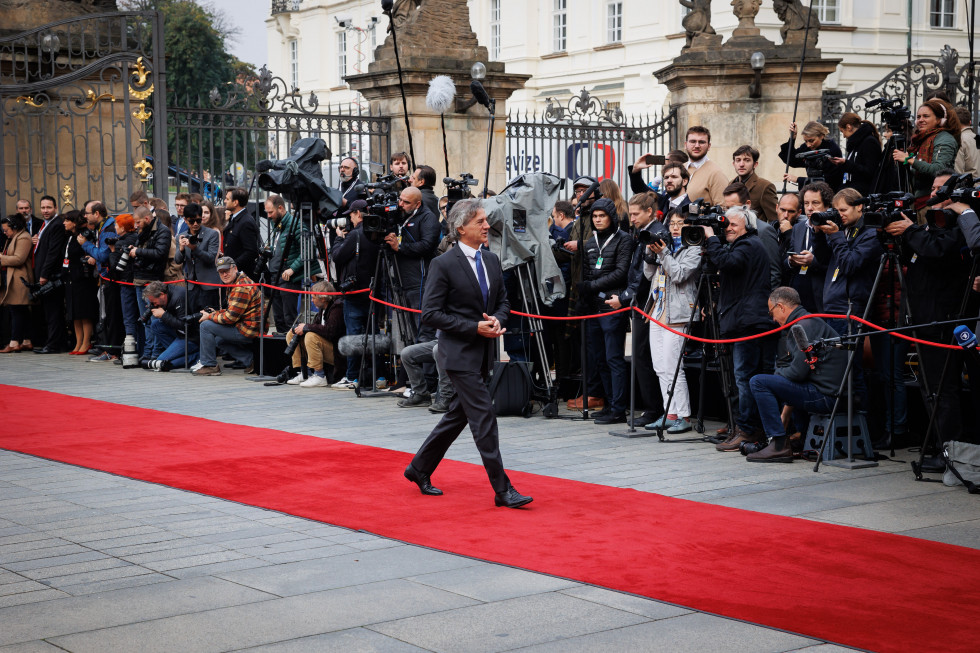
(942, 121)
(357, 169)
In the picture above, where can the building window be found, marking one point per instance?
(294, 62)
(341, 56)
(614, 22)
(560, 25)
(495, 29)
(942, 13)
(828, 11)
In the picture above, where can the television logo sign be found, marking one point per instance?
(581, 160)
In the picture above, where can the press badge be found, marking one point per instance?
(835, 275)
(914, 257)
(803, 270)
(598, 264)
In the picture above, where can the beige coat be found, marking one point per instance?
(16, 260)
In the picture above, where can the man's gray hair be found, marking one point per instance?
(744, 212)
(154, 289)
(785, 295)
(463, 212)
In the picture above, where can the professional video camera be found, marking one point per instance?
(700, 214)
(820, 218)
(387, 183)
(882, 209)
(456, 189)
(383, 215)
(38, 291)
(897, 116)
(959, 188)
(815, 163)
(299, 178)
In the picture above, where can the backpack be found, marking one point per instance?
(510, 388)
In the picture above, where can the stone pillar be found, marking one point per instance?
(436, 39)
(710, 87)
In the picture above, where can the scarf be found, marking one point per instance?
(922, 145)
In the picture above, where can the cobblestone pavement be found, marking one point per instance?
(94, 562)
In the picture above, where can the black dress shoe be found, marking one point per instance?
(610, 418)
(422, 480)
(511, 498)
(237, 365)
(47, 350)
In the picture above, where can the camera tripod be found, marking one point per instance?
(531, 304)
(900, 175)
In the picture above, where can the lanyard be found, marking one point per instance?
(603, 245)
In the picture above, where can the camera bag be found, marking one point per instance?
(962, 465)
(510, 388)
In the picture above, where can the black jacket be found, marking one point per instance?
(862, 161)
(937, 272)
(152, 251)
(430, 200)
(791, 364)
(833, 174)
(419, 240)
(611, 275)
(122, 245)
(637, 285)
(355, 255)
(241, 241)
(176, 309)
(743, 307)
(50, 251)
(852, 258)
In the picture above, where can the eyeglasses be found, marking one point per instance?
(192, 220)
(773, 308)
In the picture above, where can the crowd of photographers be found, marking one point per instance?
(699, 249)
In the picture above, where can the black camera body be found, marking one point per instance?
(348, 284)
(146, 316)
(382, 216)
(89, 234)
(897, 116)
(700, 214)
(38, 291)
(656, 232)
(830, 216)
(111, 240)
(882, 209)
(457, 189)
(192, 239)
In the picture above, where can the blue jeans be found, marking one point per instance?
(749, 359)
(230, 339)
(889, 354)
(606, 350)
(175, 352)
(162, 337)
(131, 314)
(355, 319)
(771, 392)
(145, 329)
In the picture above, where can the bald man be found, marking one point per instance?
(414, 242)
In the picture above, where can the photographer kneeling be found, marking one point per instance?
(795, 383)
(168, 304)
(607, 261)
(318, 338)
(744, 266)
(235, 327)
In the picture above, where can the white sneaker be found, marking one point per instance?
(343, 384)
(314, 381)
(296, 380)
(196, 366)
(381, 383)
(407, 392)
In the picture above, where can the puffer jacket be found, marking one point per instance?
(152, 252)
(852, 258)
(743, 308)
(612, 275)
(681, 285)
(791, 364)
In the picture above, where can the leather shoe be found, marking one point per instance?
(610, 418)
(770, 454)
(511, 498)
(738, 437)
(422, 480)
(47, 350)
(594, 402)
(10, 350)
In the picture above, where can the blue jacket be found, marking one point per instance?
(852, 257)
(100, 251)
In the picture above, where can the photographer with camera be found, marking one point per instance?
(672, 269)
(814, 140)
(935, 142)
(414, 243)
(806, 383)
(149, 258)
(607, 260)
(737, 194)
(355, 256)
(318, 338)
(863, 158)
(235, 327)
(15, 294)
(851, 251)
(104, 228)
(197, 250)
(805, 274)
(936, 281)
(286, 263)
(120, 270)
(168, 304)
(744, 270)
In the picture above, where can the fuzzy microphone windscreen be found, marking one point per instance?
(442, 90)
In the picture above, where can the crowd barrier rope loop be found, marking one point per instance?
(723, 341)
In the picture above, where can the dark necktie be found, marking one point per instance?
(481, 276)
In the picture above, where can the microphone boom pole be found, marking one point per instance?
(386, 8)
(799, 85)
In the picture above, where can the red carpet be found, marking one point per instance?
(860, 588)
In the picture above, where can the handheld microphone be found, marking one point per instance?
(799, 336)
(589, 192)
(480, 93)
(968, 341)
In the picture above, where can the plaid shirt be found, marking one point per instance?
(243, 308)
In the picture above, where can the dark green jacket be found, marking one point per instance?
(944, 151)
(288, 247)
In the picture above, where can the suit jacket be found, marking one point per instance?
(50, 251)
(203, 257)
(242, 241)
(762, 194)
(453, 304)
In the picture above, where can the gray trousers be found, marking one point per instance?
(413, 357)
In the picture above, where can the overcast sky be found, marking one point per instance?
(249, 16)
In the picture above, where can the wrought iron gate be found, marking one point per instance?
(215, 140)
(908, 83)
(585, 137)
(78, 100)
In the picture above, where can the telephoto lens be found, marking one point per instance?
(123, 262)
(145, 317)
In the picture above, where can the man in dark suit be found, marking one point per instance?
(49, 256)
(241, 233)
(34, 223)
(466, 301)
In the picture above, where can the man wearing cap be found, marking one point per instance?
(233, 327)
(355, 256)
(286, 264)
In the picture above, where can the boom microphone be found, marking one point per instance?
(799, 336)
(867, 105)
(480, 93)
(379, 343)
(386, 6)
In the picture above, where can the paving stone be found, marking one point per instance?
(329, 551)
(73, 568)
(355, 640)
(31, 647)
(487, 582)
(24, 598)
(193, 561)
(269, 621)
(96, 586)
(507, 625)
(56, 560)
(39, 553)
(626, 602)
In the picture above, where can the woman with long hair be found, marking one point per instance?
(814, 138)
(935, 142)
(610, 190)
(863, 158)
(17, 268)
(121, 271)
(81, 285)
